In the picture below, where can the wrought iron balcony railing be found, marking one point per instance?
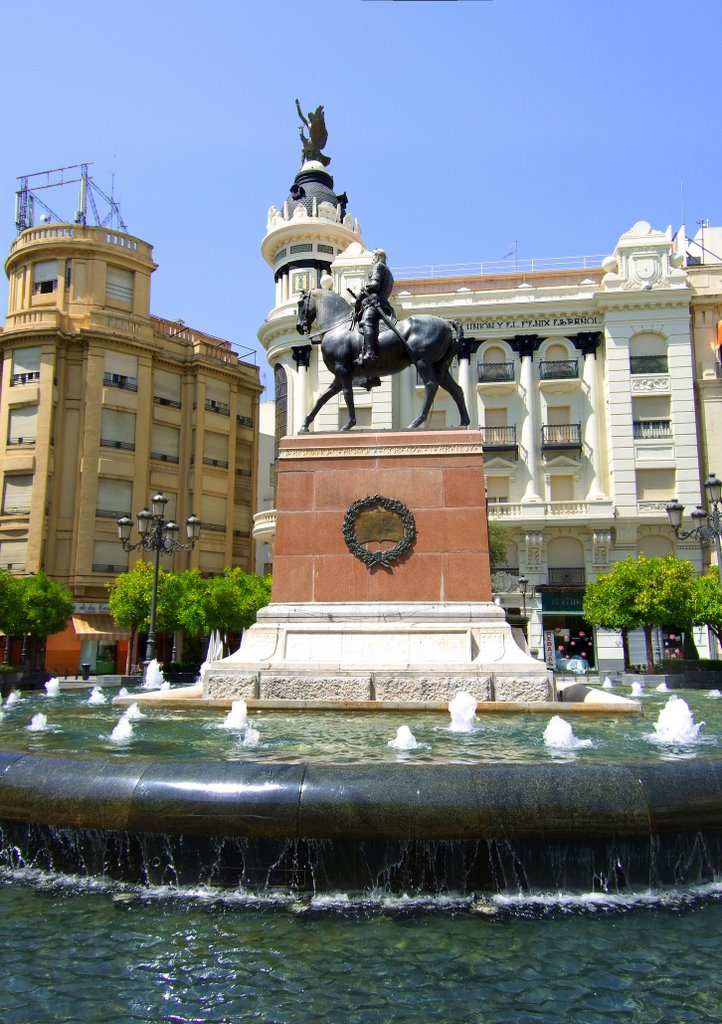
(651, 429)
(648, 364)
(498, 439)
(118, 380)
(559, 436)
(494, 373)
(558, 369)
(566, 577)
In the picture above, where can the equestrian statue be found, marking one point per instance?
(381, 347)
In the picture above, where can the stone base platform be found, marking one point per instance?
(386, 652)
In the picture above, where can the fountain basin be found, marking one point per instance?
(331, 827)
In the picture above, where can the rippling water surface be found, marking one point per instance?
(80, 954)
(348, 737)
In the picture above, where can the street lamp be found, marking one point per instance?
(162, 537)
(523, 587)
(707, 525)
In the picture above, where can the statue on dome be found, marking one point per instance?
(317, 137)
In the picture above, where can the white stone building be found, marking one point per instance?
(595, 382)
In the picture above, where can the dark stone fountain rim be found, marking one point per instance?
(374, 801)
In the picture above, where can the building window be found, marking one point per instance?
(22, 424)
(214, 513)
(655, 485)
(13, 555)
(120, 371)
(119, 284)
(301, 281)
(497, 489)
(26, 366)
(109, 557)
(114, 498)
(165, 443)
(17, 492)
(117, 429)
(167, 388)
(45, 277)
(215, 449)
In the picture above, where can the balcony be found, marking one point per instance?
(98, 567)
(494, 373)
(495, 378)
(164, 457)
(651, 430)
(499, 439)
(218, 463)
(648, 364)
(566, 577)
(221, 408)
(32, 377)
(558, 437)
(169, 403)
(126, 446)
(118, 380)
(21, 441)
(111, 513)
(559, 369)
(244, 421)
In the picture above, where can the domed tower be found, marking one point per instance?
(302, 240)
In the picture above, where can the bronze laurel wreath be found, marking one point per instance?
(372, 558)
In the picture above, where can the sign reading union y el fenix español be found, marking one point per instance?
(531, 323)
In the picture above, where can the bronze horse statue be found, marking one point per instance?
(426, 342)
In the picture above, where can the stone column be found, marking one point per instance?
(302, 404)
(467, 346)
(525, 345)
(588, 342)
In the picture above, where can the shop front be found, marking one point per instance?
(569, 644)
(91, 639)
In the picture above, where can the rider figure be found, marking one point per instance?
(374, 300)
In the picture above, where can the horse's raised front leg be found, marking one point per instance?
(330, 391)
(448, 383)
(431, 386)
(347, 385)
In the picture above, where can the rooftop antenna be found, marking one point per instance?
(26, 198)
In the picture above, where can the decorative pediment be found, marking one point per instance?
(645, 259)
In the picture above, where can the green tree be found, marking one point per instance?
(642, 593)
(233, 600)
(498, 541)
(130, 596)
(192, 613)
(47, 608)
(609, 603)
(707, 602)
(11, 607)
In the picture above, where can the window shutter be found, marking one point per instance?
(13, 554)
(165, 442)
(215, 447)
(118, 426)
(22, 424)
(167, 386)
(213, 510)
(26, 360)
(119, 284)
(121, 365)
(114, 496)
(45, 271)
(17, 493)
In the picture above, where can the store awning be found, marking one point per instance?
(98, 627)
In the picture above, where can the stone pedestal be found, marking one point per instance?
(349, 619)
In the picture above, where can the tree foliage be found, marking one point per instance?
(47, 606)
(11, 604)
(498, 542)
(707, 602)
(642, 593)
(234, 599)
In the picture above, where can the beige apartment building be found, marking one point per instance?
(101, 406)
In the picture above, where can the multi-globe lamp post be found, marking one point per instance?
(161, 537)
(707, 524)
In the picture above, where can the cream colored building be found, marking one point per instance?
(597, 401)
(103, 404)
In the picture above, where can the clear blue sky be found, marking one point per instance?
(456, 128)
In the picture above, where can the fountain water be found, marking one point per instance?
(52, 687)
(237, 717)
(38, 723)
(153, 678)
(463, 712)
(96, 696)
(676, 724)
(637, 689)
(123, 730)
(404, 739)
(560, 734)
